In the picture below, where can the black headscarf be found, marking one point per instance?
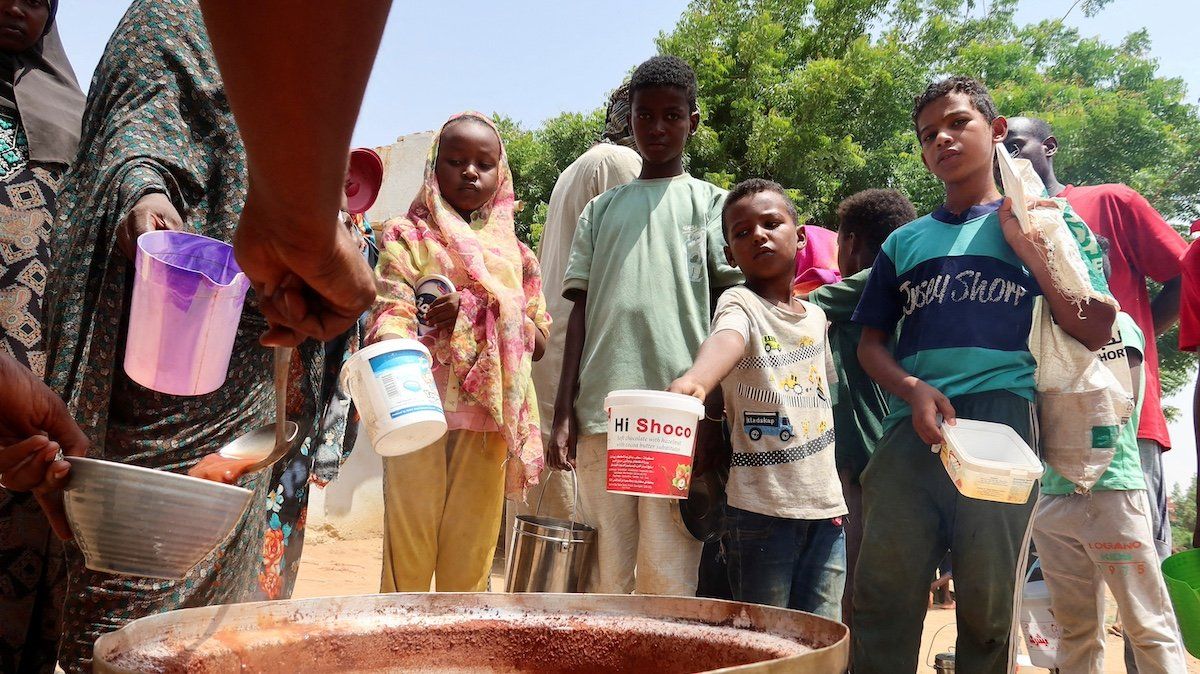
(46, 96)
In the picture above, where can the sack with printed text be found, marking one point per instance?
(1081, 403)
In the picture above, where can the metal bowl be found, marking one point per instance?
(142, 522)
(485, 632)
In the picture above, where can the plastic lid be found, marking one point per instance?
(436, 277)
(991, 444)
(363, 179)
(391, 346)
(647, 398)
(1036, 591)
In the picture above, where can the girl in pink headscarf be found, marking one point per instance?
(444, 503)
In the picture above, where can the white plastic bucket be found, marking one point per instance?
(989, 461)
(651, 438)
(392, 385)
(1038, 624)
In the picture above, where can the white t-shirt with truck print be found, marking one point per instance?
(777, 401)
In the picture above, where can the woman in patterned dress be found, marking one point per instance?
(162, 151)
(40, 107)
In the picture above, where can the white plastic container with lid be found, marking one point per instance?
(428, 289)
(1038, 625)
(989, 461)
(651, 438)
(392, 385)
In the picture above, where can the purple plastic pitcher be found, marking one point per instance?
(187, 300)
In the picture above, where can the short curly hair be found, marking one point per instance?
(973, 88)
(748, 188)
(874, 214)
(665, 71)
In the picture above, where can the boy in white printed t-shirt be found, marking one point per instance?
(767, 350)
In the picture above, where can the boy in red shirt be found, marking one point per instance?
(1143, 246)
(1189, 331)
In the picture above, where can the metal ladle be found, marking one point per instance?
(273, 440)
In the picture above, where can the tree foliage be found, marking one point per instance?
(816, 94)
(537, 158)
(1182, 514)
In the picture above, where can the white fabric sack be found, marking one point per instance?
(1081, 403)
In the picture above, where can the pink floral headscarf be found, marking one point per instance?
(501, 304)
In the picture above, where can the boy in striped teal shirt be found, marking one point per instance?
(955, 289)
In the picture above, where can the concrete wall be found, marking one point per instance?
(352, 506)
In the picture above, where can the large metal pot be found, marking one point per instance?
(508, 633)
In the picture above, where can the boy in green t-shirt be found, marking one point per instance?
(865, 219)
(1086, 538)
(645, 261)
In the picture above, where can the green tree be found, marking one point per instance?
(816, 94)
(538, 157)
(802, 92)
(1182, 512)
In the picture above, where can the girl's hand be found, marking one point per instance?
(443, 312)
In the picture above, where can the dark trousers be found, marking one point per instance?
(913, 514)
(796, 564)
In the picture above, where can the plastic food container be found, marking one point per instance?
(188, 293)
(429, 289)
(1038, 625)
(989, 461)
(651, 438)
(392, 385)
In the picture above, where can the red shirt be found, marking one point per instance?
(1189, 305)
(1142, 245)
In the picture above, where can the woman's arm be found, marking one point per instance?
(296, 107)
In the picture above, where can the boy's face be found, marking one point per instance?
(662, 121)
(957, 142)
(763, 237)
(847, 254)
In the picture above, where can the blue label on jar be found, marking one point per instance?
(407, 382)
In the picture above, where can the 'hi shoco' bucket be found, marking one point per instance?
(392, 385)
(651, 438)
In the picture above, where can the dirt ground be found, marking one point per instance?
(340, 567)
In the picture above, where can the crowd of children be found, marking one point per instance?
(676, 284)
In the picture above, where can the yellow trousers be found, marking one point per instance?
(442, 509)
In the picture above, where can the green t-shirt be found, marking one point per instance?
(647, 253)
(859, 404)
(1125, 471)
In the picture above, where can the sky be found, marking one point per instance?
(550, 56)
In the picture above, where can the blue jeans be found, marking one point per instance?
(796, 564)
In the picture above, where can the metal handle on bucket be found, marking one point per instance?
(574, 505)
